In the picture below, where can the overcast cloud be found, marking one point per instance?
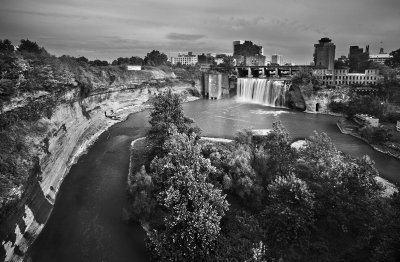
(109, 29)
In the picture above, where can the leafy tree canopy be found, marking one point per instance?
(6, 46)
(30, 47)
(167, 112)
(134, 60)
(194, 207)
(155, 58)
(394, 62)
(98, 62)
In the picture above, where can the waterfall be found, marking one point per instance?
(263, 91)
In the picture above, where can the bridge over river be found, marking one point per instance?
(271, 71)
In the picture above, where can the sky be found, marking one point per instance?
(108, 29)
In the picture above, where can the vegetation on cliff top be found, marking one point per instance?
(32, 83)
(312, 204)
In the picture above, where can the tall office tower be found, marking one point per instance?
(324, 54)
(277, 59)
(358, 59)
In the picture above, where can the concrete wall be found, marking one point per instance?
(215, 85)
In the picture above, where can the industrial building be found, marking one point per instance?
(189, 59)
(246, 48)
(344, 77)
(255, 60)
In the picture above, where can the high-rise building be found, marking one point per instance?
(238, 42)
(358, 59)
(246, 48)
(324, 54)
(277, 59)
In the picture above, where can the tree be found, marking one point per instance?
(305, 78)
(121, 61)
(30, 47)
(83, 60)
(134, 60)
(167, 112)
(347, 199)
(388, 248)
(98, 62)
(193, 206)
(387, 72)
(241, 171)
(394, 62)
(340, 64)
(6, 46)
(289, 217)
(375, 135)
(141, 192)
(275, 152)
(155, 58)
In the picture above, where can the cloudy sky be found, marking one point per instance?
(107, 29)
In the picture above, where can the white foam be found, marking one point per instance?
(269, 112)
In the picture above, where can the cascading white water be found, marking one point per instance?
(263, 91)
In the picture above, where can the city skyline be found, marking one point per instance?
(107, 30)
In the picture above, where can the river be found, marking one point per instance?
(86, 222)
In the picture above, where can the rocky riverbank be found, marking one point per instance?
(380, 148)
(305, 97)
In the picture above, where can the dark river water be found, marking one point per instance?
(86, 222)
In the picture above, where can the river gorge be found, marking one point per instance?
(86, 223)
(84, 159)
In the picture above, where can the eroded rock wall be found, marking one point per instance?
(59, 141)
(305, 98)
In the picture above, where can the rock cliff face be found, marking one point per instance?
(58, 142)
(295, 99)
(304, 98)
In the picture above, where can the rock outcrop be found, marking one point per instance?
(305, 98)
(295, 99)
(58, 141)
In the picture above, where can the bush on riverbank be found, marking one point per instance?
(375, 135)
(284, 204)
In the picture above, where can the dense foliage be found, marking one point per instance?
(32, 84)
(193, 206)
(394, 62)
(134, 60)
(167, 113)
(305, 78)
(311, 204)
(155, 58)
